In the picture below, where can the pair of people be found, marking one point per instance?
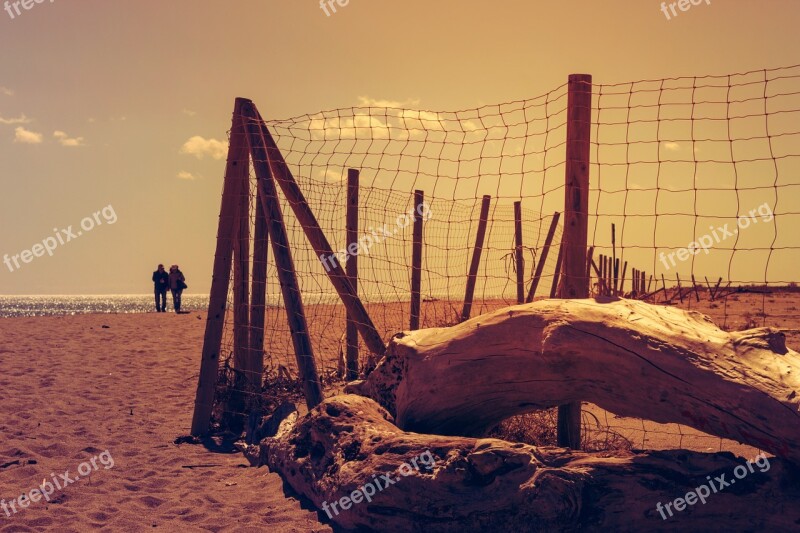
(175, 281)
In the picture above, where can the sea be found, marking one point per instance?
(14, 306)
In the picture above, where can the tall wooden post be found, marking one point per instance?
(351, 334)
(292, 296)
(416, 261)
(220, 281)
(472, 277)
(576, 224)
(518, 256)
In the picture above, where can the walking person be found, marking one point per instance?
(177, 282)
(160, 286)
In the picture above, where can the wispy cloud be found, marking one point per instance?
(394, 104)
(189, 112)
(66, 140)
(6, 91)
(672, 147)
(22, 119)
(27, 137)
(184, 175)
(200, 147)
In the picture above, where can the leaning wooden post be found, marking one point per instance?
(548, 242)
(292, 297)
(696, 292)
(416, 261)
(518, 256)
(351, 334)
(322, 248)
(557, 271)
(220, 280)
(576, 224)
(476, 259)
(589, 260)
(622, 279)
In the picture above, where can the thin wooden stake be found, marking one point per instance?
(520, 258)
(351, 227)
(716, 288)
(614, 263)
(589, 261)
(416, 261)
(622, 278)
(548, 242)
(476, 258)
(696, 292)
(557, 272)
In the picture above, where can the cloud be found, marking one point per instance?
(673, 147)
(184, 175)
(201, 147)
(27, 137)
(6, 91)
(66, 140)
(22, 119)
(189, 112)
(372, 102)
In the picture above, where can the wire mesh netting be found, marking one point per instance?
(698, 176)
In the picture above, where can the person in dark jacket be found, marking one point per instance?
(177, 282)
(160, 286)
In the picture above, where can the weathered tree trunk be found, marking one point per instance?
(473, 485)
(629, 357)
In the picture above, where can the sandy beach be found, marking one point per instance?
(71, 389)
(74, 387)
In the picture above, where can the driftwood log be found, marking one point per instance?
(629, 357)
(474, 485)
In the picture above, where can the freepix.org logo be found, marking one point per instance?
(13, 8)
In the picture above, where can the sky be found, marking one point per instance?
(117, 110)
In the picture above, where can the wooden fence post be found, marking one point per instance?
(351, 334)
(518, 255)
(476, 259)
(241, 306)
(416, 261)
(576, 224)
(258, 296)
(220, 281)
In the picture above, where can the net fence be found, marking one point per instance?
(695, 175)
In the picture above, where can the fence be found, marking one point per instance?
(694, 175)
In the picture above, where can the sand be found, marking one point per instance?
(71, 389)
